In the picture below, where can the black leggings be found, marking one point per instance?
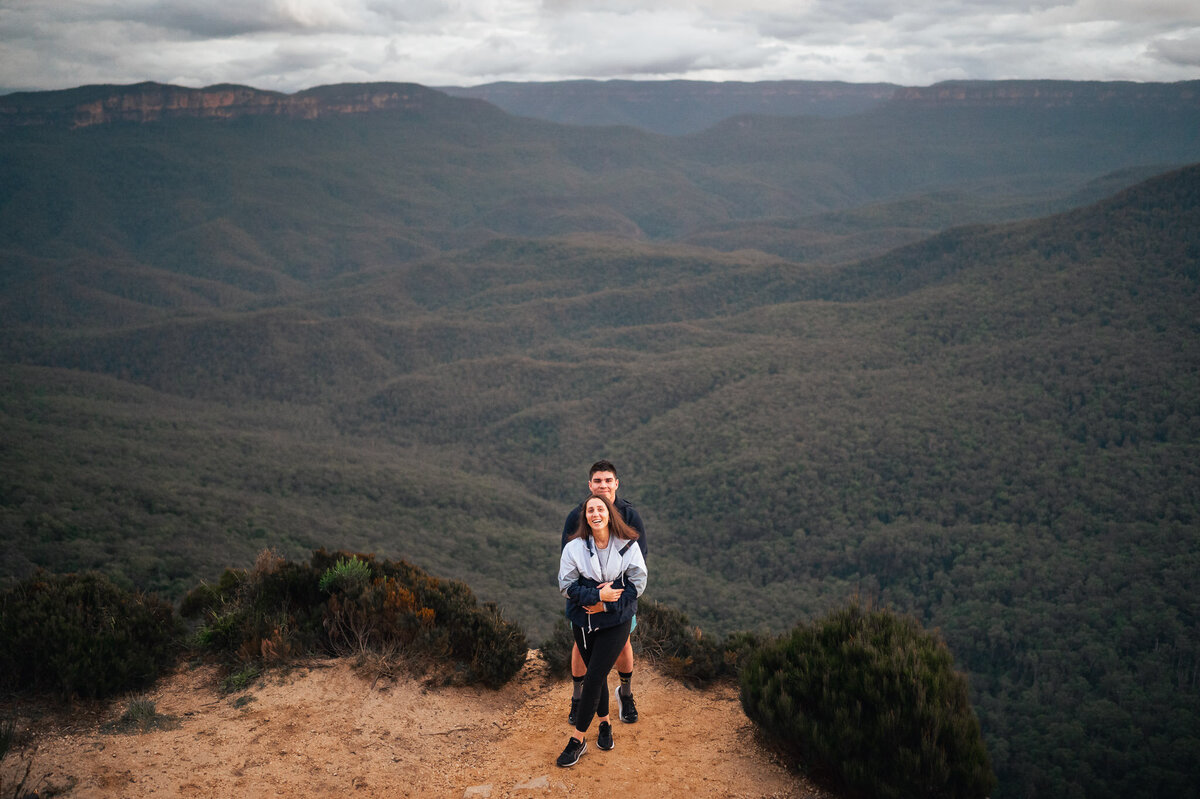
(599, 649)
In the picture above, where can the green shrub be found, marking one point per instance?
(348, 575)
(380, 616)
(665, 637)
(81, 635)
(240, 680)
(498, 648)
(556, 649)
(473, 640)
(869, 701)
(263, 615)
(202, 599)
(141, 715)
(352, 604)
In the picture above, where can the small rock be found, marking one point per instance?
(536, 784)
(481, 791)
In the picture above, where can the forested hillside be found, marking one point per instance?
(675, 107)
(410, 332)
(682, 106)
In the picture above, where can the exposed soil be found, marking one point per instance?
(326, 729)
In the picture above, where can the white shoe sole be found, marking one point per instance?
(578, 755)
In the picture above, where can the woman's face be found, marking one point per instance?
(597, 515)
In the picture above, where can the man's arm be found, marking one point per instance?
(634, 520)
(569, 527)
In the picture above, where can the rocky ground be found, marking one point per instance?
(326, 729)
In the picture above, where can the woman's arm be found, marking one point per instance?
(634, 581)
(581, 594)
(569, 583)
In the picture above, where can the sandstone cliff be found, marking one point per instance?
(1053, 94)
(151, 102)
(665, 106)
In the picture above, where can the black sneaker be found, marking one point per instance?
(574, 714)
(570, 756)
(626, 709)
(604, 738)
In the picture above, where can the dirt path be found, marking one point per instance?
(325, 730)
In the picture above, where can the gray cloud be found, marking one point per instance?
(1182, 51)
(289, 45)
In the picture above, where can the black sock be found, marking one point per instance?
(626, 679)
(578, 688)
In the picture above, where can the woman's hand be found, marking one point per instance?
(608, 593)
(596, 608)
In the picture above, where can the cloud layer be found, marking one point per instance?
(288, 45)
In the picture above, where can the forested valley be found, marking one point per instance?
(942, 359)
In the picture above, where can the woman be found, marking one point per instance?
(601, 573)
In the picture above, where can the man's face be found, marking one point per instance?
(604, 484)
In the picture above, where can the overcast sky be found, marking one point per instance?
(288, 45)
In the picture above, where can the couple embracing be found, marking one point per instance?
(602, 572)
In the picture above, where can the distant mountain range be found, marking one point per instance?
(670, 107)
(680, 107)
(153, 102)
(939, 352)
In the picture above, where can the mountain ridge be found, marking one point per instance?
(153, 102)
(683, 107)
(638, 103)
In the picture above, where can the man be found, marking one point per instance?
(602, 481)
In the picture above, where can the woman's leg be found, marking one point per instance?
(599, 649)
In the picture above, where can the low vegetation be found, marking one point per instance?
(141, 715)
(867, 697)
(869, 702)
(380, 611)
(81, 635)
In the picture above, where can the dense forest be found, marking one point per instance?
(945, 359)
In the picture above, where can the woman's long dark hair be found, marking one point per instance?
(616, 524)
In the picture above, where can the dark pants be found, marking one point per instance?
(599, 649)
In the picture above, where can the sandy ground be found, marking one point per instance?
(328, 730)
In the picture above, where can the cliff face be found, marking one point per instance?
(1052, 94)
(681, 107)
(151, 102)
(668, 106)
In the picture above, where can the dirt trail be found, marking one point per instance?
(325, 730)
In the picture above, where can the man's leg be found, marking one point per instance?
(578, 670)
(626, 709)
(624, 660)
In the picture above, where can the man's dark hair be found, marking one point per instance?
(603, 466)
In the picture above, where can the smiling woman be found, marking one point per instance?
(601, 573)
